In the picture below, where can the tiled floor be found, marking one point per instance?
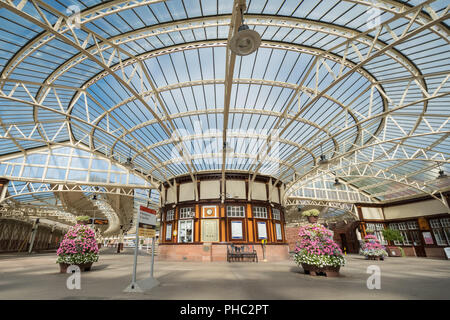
(37, 277)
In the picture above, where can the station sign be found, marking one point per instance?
(147, 222)
(147, 232)
(147, 216)
(99, 221)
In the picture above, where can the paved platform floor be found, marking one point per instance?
(37, 276)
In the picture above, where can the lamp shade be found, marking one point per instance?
(245, 41)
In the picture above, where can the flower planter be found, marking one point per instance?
(83, 267)
(393, 251)
(316, 271)
(313, 219)
(78, 247)
(375, 257)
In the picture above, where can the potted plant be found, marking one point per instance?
(316, 251)
(312, 215)
(392, 235)
(372, 249)
(77, 248)
(83, 220)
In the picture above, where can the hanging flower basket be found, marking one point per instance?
(312, 215)
(78, 247)
(317, 253)
(313, 219)
(83, 220)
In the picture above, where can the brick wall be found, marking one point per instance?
(215, 252)
(292, 236)
(435, 253)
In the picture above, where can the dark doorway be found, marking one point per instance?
(344, 242)
(418, 244)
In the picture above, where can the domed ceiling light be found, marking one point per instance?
(337, 183)
(129, 163)
(245, 41)
(323, 160)
(227, 149)
(442, 174)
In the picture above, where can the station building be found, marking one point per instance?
(229, 118)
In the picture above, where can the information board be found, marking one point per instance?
(262, 230)
(210, 230)
(427, 237)
(236, 230)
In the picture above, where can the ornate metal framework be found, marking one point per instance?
(370, 96)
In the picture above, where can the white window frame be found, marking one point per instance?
(412, 225)
(170, 215)
(276, 214)
(236, 211)
(185, 222)
(260, 212)
(187, 213)
(438, 226)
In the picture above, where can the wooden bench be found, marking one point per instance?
(239, 253)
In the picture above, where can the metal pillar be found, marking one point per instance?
(33, 235)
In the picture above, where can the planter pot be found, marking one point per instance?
(313, 219)
(315, 271)
(83, 267)
(375, 257)
(393, 251)
(85, 223)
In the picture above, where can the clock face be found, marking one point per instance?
(209, 212)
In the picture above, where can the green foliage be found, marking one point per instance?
(83, 218)
(402, 251)
(392, 235)
(311, 212)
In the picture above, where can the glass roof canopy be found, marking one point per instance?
(362, 83)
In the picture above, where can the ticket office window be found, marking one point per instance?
(185, 231)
